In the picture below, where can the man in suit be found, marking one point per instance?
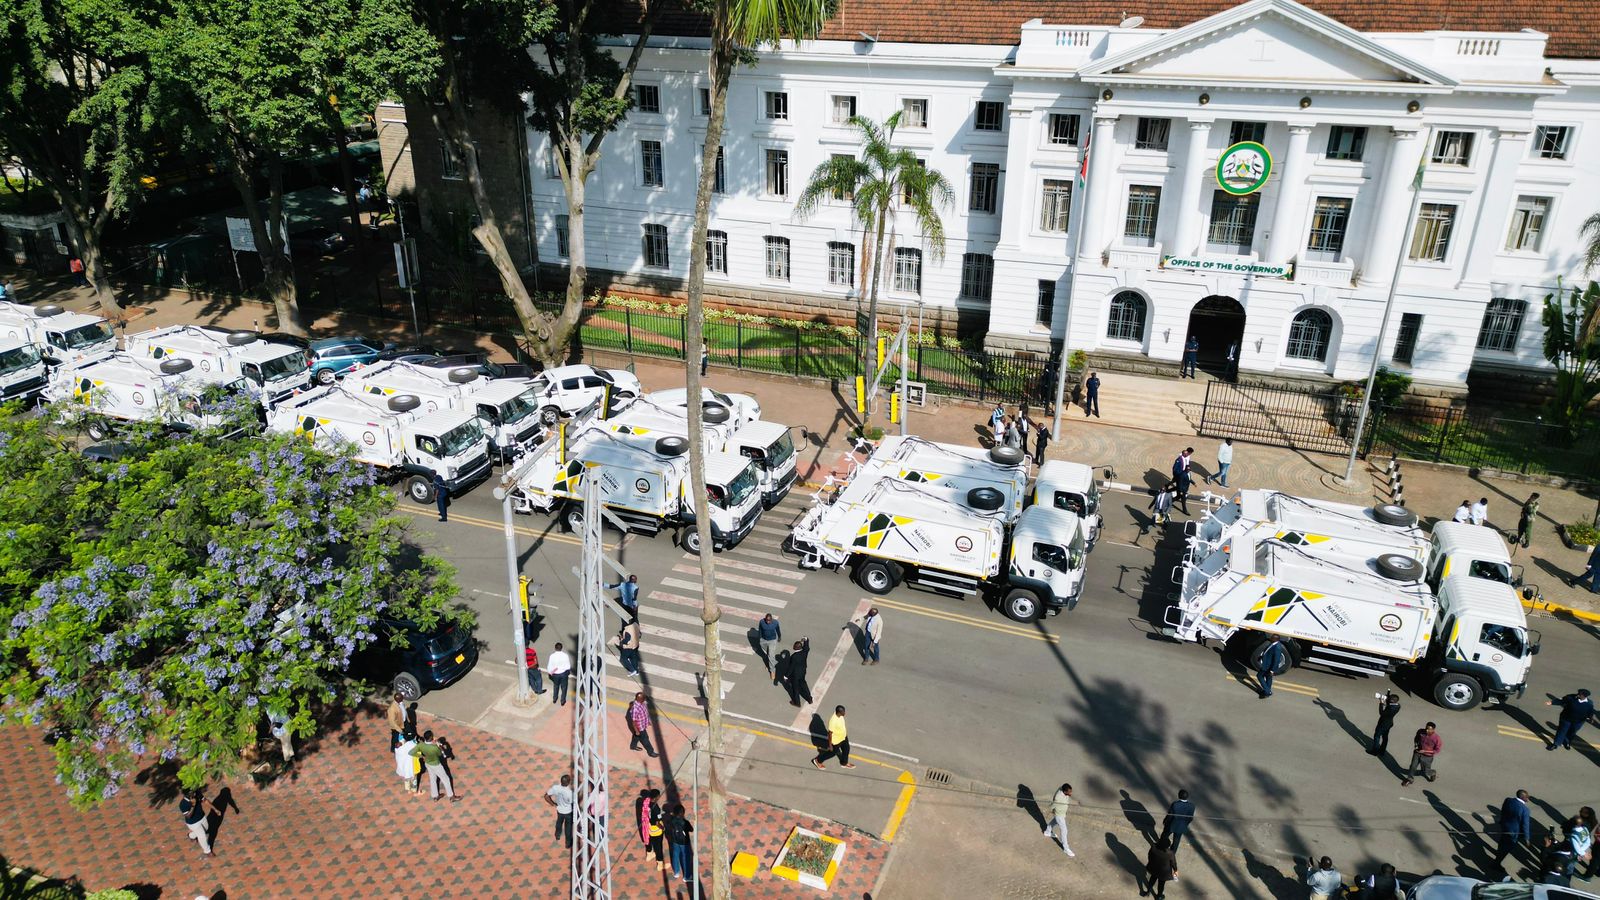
(1388, 709)
(1576, 709)
(1179, 815)
(1191, 358)
(1515, 827)
(1091, 396)
(1273, 657)
(792, 672)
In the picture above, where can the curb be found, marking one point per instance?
(1557, 609)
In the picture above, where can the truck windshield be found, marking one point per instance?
(18, 358)
(1094, 496)
(1490, 571)
(460, 439)
(285, 366)
(520, 407)
(88, 335)
(741, 487)
(780, 451)
(1508, 639)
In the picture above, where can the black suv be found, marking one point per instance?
(431, 659)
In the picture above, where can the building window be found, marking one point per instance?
(844, 108)
(1126, 321)
(1405, 343)
(778, 106)
(777, 258)
(1309, 335)
(647, 98)
(719, 178)
(1431, 242)
(1550, 141)
(655, 246)
(717, 252)
(914, 113)
(1347, 142)
(1247, 131)
(1233, 222)
(1152, 134)
(1064, 129)
(777, 173)
(984, 187)
(1502, 324)
(843, 195)
(1453, 148)
(905, 189)
(907, 270)
(1527, 223)
(449, 162)
(1055, 205)
(1144, 202)
(705, 102)
(841, 263)
(550, 170)
(650, 163)
(561, 235)
(977, 276)
(989, 115)
(1328, 224)
(1044, 305)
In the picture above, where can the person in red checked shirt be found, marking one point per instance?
(1426, 746)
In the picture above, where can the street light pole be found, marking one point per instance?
(514, 595)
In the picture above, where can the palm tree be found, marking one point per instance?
(1590, 231)
(880, 185)
(736, 26)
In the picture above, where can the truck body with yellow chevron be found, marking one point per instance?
(891, 532)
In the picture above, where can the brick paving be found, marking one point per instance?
(342, 825)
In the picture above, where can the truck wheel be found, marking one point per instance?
(420, 489)
(407, 686)
(689, 540)
(875, 577)
(1022, 605)
(572, 518)
(1457, 692)
(550, 415)
(99, 429)
(1291, 656)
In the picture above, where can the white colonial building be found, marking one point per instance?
(1293, 270)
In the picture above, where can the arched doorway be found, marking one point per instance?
(1219, 324)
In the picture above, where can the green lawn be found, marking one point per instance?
(1506, 444)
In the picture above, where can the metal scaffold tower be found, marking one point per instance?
(591, 858)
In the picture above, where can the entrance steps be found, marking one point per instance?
(1149, 402)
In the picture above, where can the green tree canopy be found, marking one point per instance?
(1572, 344)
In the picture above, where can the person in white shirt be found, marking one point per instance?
(1224, 462)
(1464, 513)
(560, 669)
(560, 797)
(1480, 511)
(1324, 880)
(405, 765)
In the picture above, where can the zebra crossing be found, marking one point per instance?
(753, 579)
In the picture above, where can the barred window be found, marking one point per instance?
(1328, 224)
(989, 115)
(1453, 148)
(449, 162)
(1240, 132)
(1152, 134)
(1055, 205)
(647, 98)
(1347, 142)
(1144, 202)
(650, 163)
(1502, 324)
(704, 107)
(1431, 240)
(977, 276)
(1233, 222)
(844, 108)
(777, 258)
(914, 113)
(1309, 335)
(777, 105)
(1550, 141)
(908, 270)
(717, 252)
(1527, 223)
(1405, 343)
(655, 246)
(1126, 319)
(1044, 304)
(843, 194)
(561, 235)
(984, 187)
(778, 173)
(719, 179)
(841, 263)
(1064, 129)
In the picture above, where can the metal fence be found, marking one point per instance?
(1321, 420)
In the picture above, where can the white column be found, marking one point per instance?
(1489, 231)
(1394, 206)
(1286, 214)
(1193, 178)
(1014, 204)
(1101, 149)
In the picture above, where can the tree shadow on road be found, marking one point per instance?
(1471, 853)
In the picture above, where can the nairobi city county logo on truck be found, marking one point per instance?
(1243, 168)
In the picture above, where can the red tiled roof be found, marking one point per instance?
(1567, 22)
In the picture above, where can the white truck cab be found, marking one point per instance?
(271, 371)
(126, 388)
(771, 447)
(63, 338)
(1048, 558)
(1471, 550)
(507, 409)
(1071, 486)
(1483, 645)
(22, 370)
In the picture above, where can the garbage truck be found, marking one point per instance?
(271, 371)
(393, 435)
(126, 388)
(767, 444)
(895, 532)
(507, 408)
(1308, 520)
(63, 338)
(22, 369)
(771, 447)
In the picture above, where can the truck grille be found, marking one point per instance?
(23, 388)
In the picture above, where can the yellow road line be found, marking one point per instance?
(959, 619)
(1515, 731)
(900, 806)
(500, 526)
(1302, 689)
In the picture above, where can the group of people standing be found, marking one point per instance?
(1014, 430)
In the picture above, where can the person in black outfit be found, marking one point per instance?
(793, 674)
(1388, 708)
(1159, 868)
(1041, 441)
(441, 497)
(1179, 815)
(1383, 886)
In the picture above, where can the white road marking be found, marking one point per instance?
(774, 530)
(847, 641)
(739, 579)
(778, 726)
(658, 672)
(762, 554)
(697, 603)
(628, 687)
(756, 569)
(723, 625)
(694, 659)
(687, 638)
(726, 592)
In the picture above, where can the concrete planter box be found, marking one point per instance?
(1567, 539)
(818, 852)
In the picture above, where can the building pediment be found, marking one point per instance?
(1267, 43)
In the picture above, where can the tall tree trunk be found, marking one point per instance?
(722, 59)
(278, 278)
(84, 228)
(347, 178)
(870, 352)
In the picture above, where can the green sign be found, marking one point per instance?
(1243, 168)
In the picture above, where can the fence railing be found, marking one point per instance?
(1486, 440)
(1319, 420)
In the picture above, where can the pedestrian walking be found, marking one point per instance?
(1181, 477)
(769, 631)
(1025, 427)
(400, 719)
(535, 677)
(639, 725)
(1056, 828)
(1324, 881)
(1425, 746)
(1516, 826)
(1529, 515)
(1161, 503)
(1041, 442)
(871, 636)
(278, 724)
(1591, 573)
(1000, 430)
(560, 797)
(793, 674)
(705, 360)
(1463, 513)
(679, 847)
(1480, 512)
(193, 810)
(651, 819)
(627, 594)
(1388, 708)
(433, 754)
(1160, 867)
(597, 804)
(628, 646)
(407, 766)
(80, 277)
(1180, 814)
(1191, 357)
(1231, 362)
(1273, 657)
(1586, 815)
(441, 497)
(641, 818)
(838, 741)
(1224, 462)
(1091, 396)
(560, 670)
(1576, 709)
(1385, 885)
(996, 416)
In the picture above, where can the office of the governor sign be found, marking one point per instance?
(1231, 266)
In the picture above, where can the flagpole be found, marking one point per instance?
(1388, 308)
(1077, 245)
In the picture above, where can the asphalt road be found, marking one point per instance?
(1094, 696)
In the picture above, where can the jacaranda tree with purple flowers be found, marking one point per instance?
(158, 605)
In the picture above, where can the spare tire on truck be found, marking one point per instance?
(1394, 514)
(1398, 567)
(174, 365)
(240, 338)
(48, 310)
(987, 499)
(672, 445)
(1006, 456)
(714, 413)
(404, 402)
(463, 375)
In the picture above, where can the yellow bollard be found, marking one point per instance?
(894, 408)
(880, 352)
(861, 394)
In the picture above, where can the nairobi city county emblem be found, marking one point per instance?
(1243, 168)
